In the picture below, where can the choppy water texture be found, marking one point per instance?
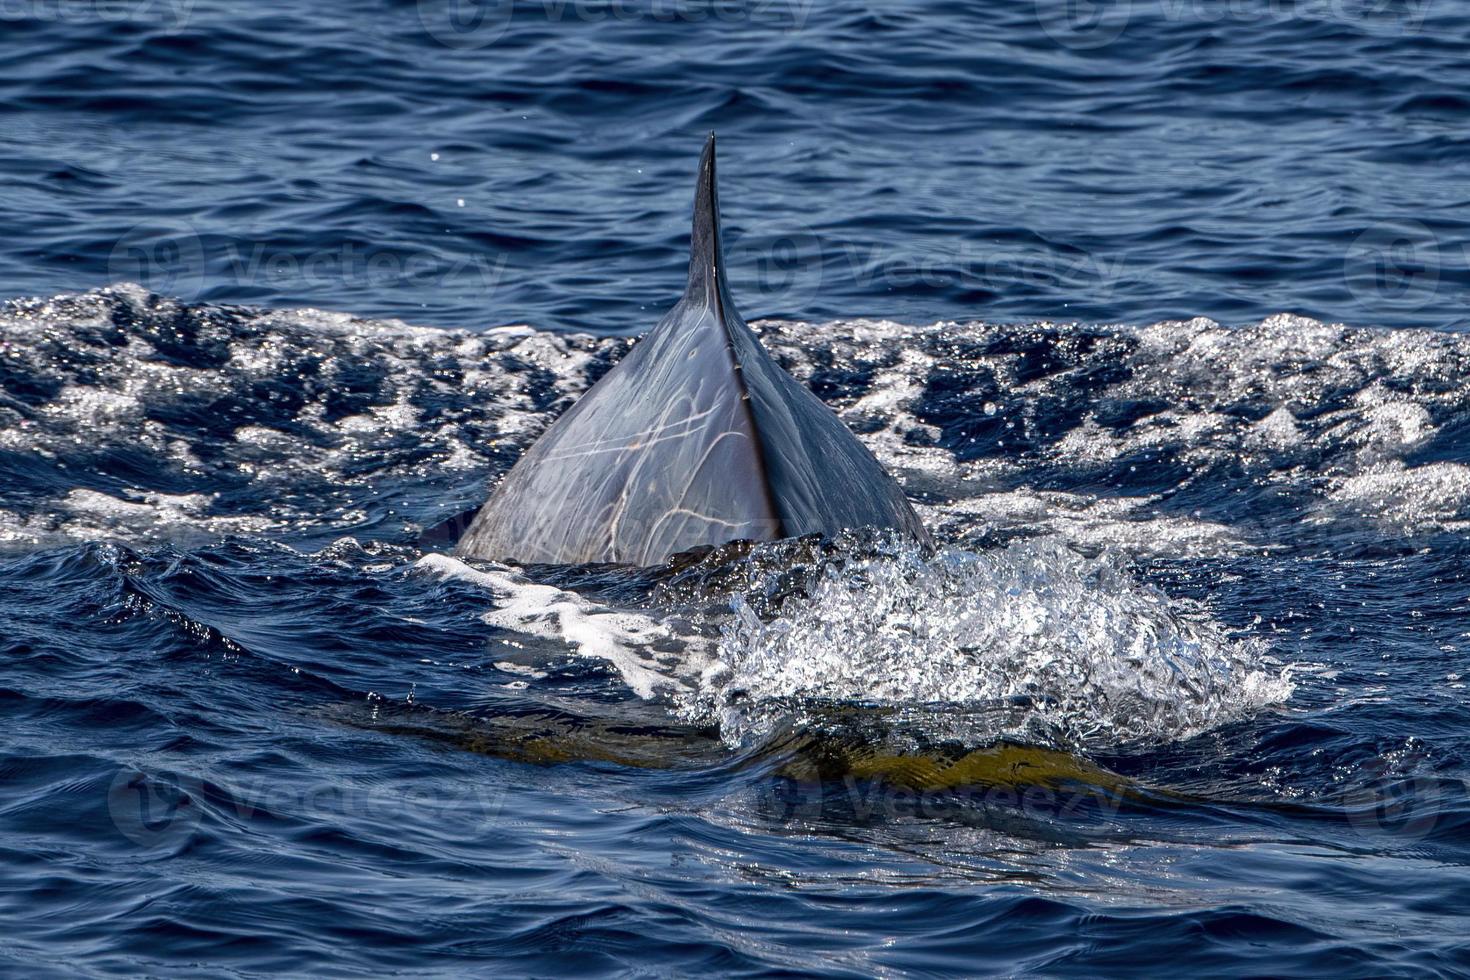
(1182, 690)
(1182, 684)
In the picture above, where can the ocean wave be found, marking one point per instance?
(131, 415)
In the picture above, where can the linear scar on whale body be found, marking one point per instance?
(696, 437)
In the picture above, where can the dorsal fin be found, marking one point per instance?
(706, 261)
(696, 437)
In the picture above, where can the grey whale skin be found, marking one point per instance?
(696, 437)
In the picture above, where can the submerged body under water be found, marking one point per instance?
(1182, 684)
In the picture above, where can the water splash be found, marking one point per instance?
(1075, 651)
(1032, 642)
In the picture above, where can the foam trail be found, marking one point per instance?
(623, 638)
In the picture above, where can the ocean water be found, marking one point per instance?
(1156, 310)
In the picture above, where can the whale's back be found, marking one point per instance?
(696, 437)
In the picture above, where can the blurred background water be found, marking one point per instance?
(1154, 308)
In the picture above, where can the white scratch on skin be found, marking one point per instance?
(685, 403)
(636, 441)
(689, 484)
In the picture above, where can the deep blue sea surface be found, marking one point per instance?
(1157, 309)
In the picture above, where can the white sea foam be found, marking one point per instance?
(964, 414)
(625, 639)
(92, 515)
(1433, 496)
(1122, 524)
(1076, 651)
